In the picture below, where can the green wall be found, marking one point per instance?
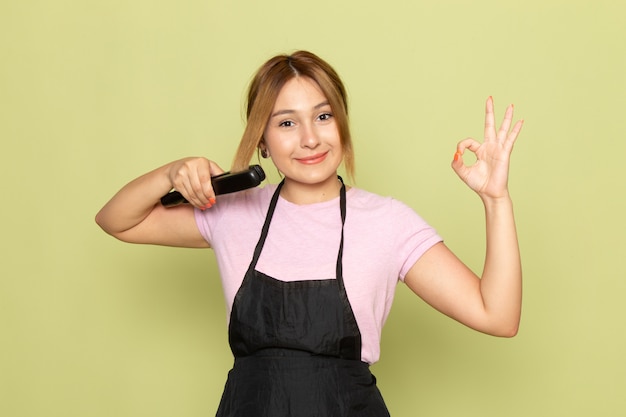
(94, 93)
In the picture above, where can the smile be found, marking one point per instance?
(313, 159)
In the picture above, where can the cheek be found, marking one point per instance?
(332, 136)
(278, 144)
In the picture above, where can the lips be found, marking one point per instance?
(313, 159)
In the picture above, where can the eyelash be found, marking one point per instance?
(323, 117)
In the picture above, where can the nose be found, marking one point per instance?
(309, 136)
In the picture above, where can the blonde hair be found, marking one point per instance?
(264, 89)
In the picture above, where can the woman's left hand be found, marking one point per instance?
(488, 176)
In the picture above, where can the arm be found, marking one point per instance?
(135, 214)
(490, 303)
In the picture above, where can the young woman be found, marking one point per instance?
(309, 266)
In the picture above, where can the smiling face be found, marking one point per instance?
(263, 91)
(303, 140)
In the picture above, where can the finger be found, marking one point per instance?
(215, 169)
(512, 137)
(468, 143)
(200, 182)
(195, 183)
(506, 123)
(490, 120)
(459, 166)
(181, 183)
(205, 180)
(192, 197)
(188, 187)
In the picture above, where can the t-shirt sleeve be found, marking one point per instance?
(415, 236)
(204, 224)
(208, 219)
(233, 213)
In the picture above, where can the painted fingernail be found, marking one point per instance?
(212, 200)
(457, 156)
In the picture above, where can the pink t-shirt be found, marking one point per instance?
(383, 238)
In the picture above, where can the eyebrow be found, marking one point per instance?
(289, 111)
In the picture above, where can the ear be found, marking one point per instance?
(264, 152)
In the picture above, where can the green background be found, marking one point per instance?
(94, 93)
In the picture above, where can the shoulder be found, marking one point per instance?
(384, 214)
(235, 210)
(367, 201)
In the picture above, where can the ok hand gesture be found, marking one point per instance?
(488, 176)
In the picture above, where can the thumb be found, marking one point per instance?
(458, 165)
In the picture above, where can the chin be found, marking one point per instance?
(313, 178)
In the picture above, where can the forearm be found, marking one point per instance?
(501, 282)
(135, 201)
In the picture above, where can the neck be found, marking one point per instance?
(302, 193)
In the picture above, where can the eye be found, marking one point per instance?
(325, 116)
(286, 123)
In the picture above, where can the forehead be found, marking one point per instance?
(299, 92)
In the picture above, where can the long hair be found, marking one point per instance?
(264, 89)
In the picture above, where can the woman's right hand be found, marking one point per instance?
(134, 214)
(192, 178)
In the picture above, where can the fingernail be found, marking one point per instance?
(457, 156)
(212, 200)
